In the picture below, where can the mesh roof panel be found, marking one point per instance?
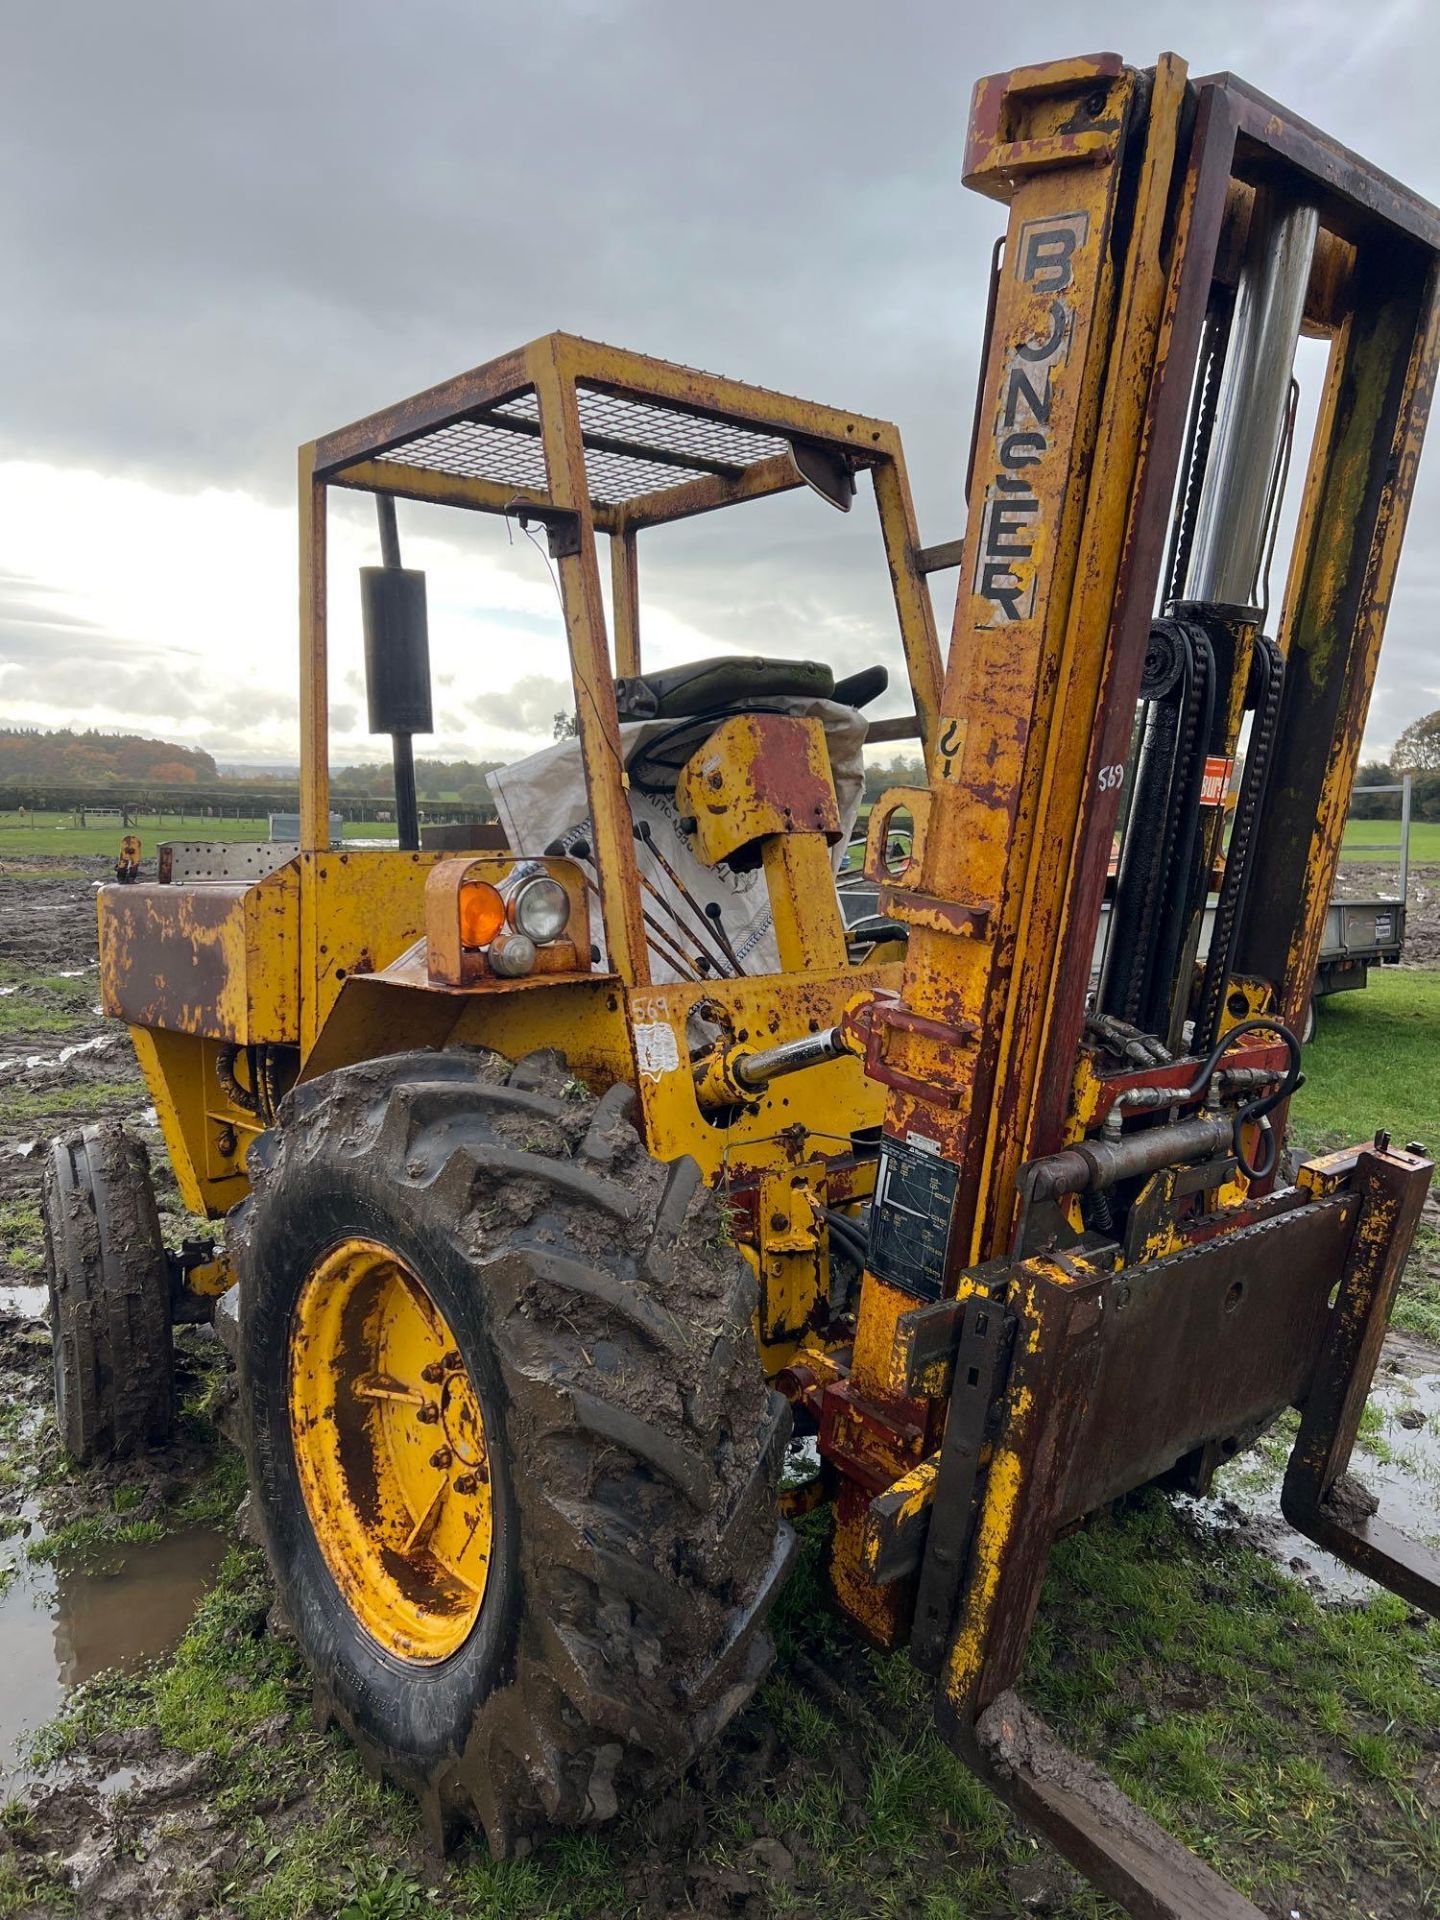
(632, 447)
(478, 451)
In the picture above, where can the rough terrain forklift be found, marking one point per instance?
(550, 1208)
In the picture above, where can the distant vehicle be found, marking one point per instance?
(1363, 933)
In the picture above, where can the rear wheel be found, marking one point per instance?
(109, 1282)
(510, 1447)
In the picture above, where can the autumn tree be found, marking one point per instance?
(1418, 748)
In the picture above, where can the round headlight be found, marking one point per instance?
(482, 913)
(513, 956)
(540, 907)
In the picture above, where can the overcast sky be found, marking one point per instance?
(226, 229)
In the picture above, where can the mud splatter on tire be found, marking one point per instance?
(637, 1449)
(109, 1285)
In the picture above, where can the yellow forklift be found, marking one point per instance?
(553, 1202)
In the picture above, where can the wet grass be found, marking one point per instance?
(34, 1006)
(22, 1240)
(29, 1886)
(1417, 1306)
(1289, 1742)
(84, 1097)
(26, 1014)
(48, 874)
(92, 1539)
(236, 1695)
(39, 1005)
(90, 1517)
(1276, 1735)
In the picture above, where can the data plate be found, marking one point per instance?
(910, 1218)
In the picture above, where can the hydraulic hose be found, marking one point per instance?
(1092, 1165)
(848, 1233)
(1254, 1111)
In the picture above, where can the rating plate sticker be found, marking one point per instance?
(910, 1218)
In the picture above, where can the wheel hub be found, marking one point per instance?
(460, 1419)
(391, 1449)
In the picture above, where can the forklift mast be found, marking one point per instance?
(1080, 1242)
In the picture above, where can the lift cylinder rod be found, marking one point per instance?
(1254, 394)
(810, 1050)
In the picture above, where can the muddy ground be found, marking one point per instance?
(1286, 1729)
(1376, 880)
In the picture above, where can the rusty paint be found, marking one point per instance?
(759, 775)
(216, 958)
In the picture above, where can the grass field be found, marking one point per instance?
(1375, 1062)
(1383, 836)
(56, 833)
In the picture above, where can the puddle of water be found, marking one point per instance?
(1398, 1459)
(802, 1462)
(25, 1062)
(61, 1626)
(30, 1303)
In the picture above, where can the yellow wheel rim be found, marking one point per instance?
(390, 1444)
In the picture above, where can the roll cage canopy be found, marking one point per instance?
(584, 439)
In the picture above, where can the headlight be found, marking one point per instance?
(482, 913)
(540, 907)
(512, 956)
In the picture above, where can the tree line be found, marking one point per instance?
(64, 756)
(1417, 752)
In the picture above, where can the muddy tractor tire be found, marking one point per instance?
(109, 1282)
(511, 1451)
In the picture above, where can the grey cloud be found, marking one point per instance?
(227, 229)
(529, 707)
(47, 655)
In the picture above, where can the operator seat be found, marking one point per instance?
(668, 716)
(700, 695)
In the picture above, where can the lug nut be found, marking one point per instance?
(467, 1483)
(434, 1373)
(441, 1457)
(429, 1414)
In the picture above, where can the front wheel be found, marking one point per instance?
(510, 1446)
